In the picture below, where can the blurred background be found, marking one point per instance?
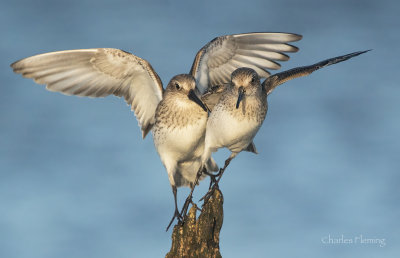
(77, 180)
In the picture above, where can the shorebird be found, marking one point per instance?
(177, 116)
(241, 107)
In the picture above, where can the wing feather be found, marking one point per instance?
(279, 78)
(261, 72)
(98, 72)
(263, 54)
(259, 51)
(256, 61)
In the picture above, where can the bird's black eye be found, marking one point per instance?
(253, 79)
(177, 86)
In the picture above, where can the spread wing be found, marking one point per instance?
(277, 79)
(215, 62)
(98, 73)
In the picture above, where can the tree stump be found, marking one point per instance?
(199, 237)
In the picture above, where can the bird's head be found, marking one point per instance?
(185, 84)
(245, 82)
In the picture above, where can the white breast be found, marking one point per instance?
(226, 130)
(181, 143)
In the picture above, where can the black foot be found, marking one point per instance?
(210, 192)
(186, 205)
(213, 177)
(215, 180)
(189, 198)
(178, 216)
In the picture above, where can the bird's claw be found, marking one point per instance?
(186, 206)
(176, 215)
(210, 192)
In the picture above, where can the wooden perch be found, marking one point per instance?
(199, 237)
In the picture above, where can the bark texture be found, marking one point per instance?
(199, 237)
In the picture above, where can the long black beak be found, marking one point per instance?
(193, 97)
(241, 92)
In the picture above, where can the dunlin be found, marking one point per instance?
(242, 106)
(177, 116)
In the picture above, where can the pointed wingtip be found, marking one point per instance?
(348, 56)
(339, 59)
(273, 81)
(298, 36)
(146, 130)
(14, 64)
(359, 52)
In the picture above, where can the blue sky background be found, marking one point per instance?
(77, 180)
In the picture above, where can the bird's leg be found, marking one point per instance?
(176, 213)
(189, 198)
(221, 171)
(213, 177)
(216, 177)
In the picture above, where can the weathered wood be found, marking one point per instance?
(199, 237)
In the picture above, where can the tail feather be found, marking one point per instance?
(252, 148)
